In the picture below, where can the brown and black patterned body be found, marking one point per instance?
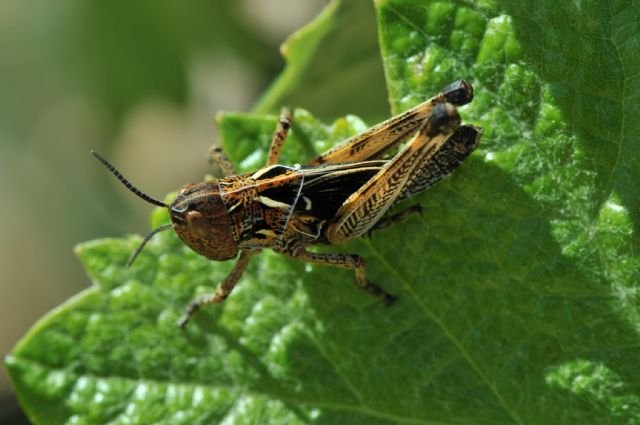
(260, 204)
(340, 195)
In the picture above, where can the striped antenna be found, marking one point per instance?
(126, 182)
(147, 239)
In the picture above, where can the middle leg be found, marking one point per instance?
(346, 261)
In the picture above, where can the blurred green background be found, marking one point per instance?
(140, 82)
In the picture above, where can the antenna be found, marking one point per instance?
(145, 240)
(126, 182)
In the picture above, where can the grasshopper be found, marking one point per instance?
(339, 195)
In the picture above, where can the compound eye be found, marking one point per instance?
(193, 216)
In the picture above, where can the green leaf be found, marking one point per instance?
(123, 51)
(518, 297)
(332, 64)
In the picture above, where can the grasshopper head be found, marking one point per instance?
(198, 214)
(202, 221)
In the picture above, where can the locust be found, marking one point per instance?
(337, 196)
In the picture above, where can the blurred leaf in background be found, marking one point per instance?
(122, 52)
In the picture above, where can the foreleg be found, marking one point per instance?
(223, 290)
(218, 157)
